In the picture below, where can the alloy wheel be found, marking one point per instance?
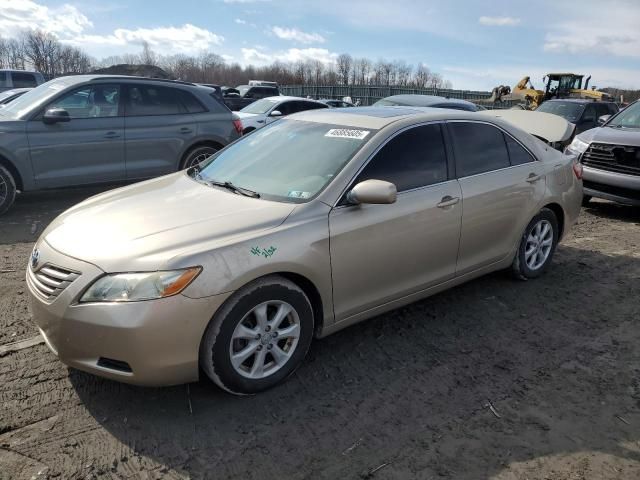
(539, 243)
(265, 339)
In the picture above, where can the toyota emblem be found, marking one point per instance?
(35, 258)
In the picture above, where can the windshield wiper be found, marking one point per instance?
(235, 189)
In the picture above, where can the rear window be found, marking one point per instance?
(23, 80)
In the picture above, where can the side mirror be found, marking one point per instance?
(603, 119)
(56, 115)
(372, 191)
(276, 113)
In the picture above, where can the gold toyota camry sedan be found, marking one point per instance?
(298, 230)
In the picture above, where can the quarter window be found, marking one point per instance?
(414, 158)
(517, 154)
(146, 100)
(190, 103)
(95, 101)
(479, 148)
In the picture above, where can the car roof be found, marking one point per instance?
(74, 79)
(379, 117)
(281, 98)
(426, 100)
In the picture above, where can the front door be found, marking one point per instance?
(87, 149)
(380, 253)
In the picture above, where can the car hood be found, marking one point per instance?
(144, 226)
(547, 126)
(621, 136)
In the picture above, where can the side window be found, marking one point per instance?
(190, 103)
(589, 114)
(286, 108)
(312, 106)
(414, 158)
(479, 148)
(517, 154)
(96, 101)
(144, 100)
(23, 80)
(3, 80)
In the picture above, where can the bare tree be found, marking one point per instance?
(343, 64)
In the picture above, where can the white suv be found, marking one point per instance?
(268, 110)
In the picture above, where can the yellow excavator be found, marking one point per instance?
(557, 85)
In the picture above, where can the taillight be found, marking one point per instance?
(237, 123)
(577, 170)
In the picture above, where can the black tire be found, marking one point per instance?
(7, 189)
(520, 268)
(585, 200)
(197, 155)
(216, 347)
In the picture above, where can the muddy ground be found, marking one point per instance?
(494, 379)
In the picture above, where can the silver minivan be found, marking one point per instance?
(90, 129)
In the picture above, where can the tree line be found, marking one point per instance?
(43, 52)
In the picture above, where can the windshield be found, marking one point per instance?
(568, 110)
(289, 160)
(260, 106)
(627, 118)
(34, 98)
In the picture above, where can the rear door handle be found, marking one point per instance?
(111, 135)
(185, 130)
(533, 178)
(448, 201)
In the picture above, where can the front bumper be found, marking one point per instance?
(152, 342)
(617, 187)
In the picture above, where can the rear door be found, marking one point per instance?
(87, 149)
(502, 185)
(158, 129)
(380, 253)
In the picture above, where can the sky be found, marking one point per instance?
(474, 44)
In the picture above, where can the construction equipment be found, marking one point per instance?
(557, 85)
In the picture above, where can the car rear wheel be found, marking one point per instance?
(259, 336)
(537, 246)
(197, 155)
(7, 189)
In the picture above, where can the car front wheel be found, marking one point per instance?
(259, 336)
(537, 246)
(7, 189)
(197, 155)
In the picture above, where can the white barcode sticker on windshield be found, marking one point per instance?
(347, 133)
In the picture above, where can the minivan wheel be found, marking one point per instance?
(537, 246)
(7, 189)
(259, 336)
(197, 155)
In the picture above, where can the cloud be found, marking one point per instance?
(16, 16)
(292, 55)
(297, 35)
(185, 39)
(239, 21)
(499, 21)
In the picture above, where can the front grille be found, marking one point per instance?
(613, 158)
(50, 280)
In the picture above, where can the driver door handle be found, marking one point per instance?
(111, 135)
(533, 178)
(448, 201)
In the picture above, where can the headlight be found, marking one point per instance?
(131, 287)
(577, 146)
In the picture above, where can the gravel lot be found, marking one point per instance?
(494, 379)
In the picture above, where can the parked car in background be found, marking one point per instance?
(268, 110)
(89, 129)
(582, 113)
(10, 79)
(610, 155)
(316, 222)
(427, 101)
(247, 94)
(332, 103)
(10, 95)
